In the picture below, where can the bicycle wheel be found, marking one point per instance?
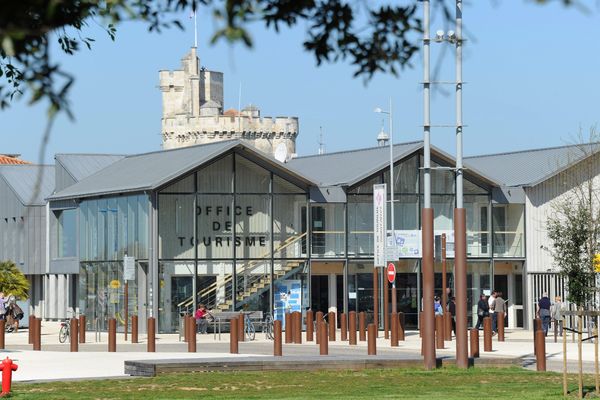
(63, 334)
(269, 328)
(250, 331)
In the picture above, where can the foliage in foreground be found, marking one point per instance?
(12, 281)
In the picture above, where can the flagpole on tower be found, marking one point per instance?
(195, 30)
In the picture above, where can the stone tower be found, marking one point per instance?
(193, 112)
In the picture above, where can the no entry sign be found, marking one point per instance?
(391, 272)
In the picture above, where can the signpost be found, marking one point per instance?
(128, 275)
(379, 224)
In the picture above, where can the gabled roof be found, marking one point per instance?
(23, 179)
(80, 166)
(6, 159)
(150, 171)
(531, 167)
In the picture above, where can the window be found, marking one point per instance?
(66, 231)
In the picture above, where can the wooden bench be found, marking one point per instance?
(224, 317)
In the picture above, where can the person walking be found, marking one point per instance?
(499, 307)
(555, 314)
(483, 310)
(543, 312)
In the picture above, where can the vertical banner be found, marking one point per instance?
(379, 223)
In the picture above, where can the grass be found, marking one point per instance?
(446, 383)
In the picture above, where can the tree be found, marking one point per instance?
(574, 226)
(12, 281)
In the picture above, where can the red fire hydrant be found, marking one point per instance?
(7, 367)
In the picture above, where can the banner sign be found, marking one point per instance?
(408, 243)
(379, 223)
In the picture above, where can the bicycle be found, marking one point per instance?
(268, 326)
(65, 331)
(249, 329)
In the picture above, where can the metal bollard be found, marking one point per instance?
(323, 342)
(372, 344)
(297, 317)
(362, 334)
(134, 328)
(112, 335)
(343, 327)
(37, 339)
(233, 339)
(277, 347)
(501, 327)
(352, 328)
(439, 332)
(241, 326)
(82, 327)
(474, 336)
(186, 320)
(487, 334)
(394, 334)
(309, 326)
(31, 328)
(537, 326)
(318, 320)
(151, 346)
(332, 325)
(192, 336)
(540, 350)
(74, 335)
(2, 333)
(447, 327)
(289, 329)
(401, 323)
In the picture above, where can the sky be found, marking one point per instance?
(531, 72)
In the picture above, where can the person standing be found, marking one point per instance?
(2, 306)
(452, 311)
(499, 307)
(555, 314)
(483, 310)
(543, 312)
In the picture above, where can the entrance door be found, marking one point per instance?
(319, 293)
(501, 285)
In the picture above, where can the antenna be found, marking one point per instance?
(193, 14)
(321, 143)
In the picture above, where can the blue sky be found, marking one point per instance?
(531, 72)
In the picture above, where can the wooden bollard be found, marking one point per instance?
(537, 326)
(82, 322)
(500, 327)
(439, 332)
(74, 335)
(277, 347)
(37, 339)
(112, 335)
(323, 342)
(151, 346)
(362, 320)
(241, 327)
(394, 333)
(447, 327)
(352, 328)
(2, 332)
(318, 320)
(343, 327)
(474, 336)
(401, 322)
(332, 325)
(192, 336)
(134, 328)
(289, 328)
(487, 334)
(540, 350)
(309, 326)
(297, 316)
(233, 335)
(372, 343)
(186, 320)
(31, 328)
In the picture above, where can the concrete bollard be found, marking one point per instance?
(487, 334)
(401, 322)
(186, 320)
(134, 328)
(74, 335)
(151, 346)
(309, 326)
(372, 343)
(112, 335)
(233, 335)
(2, 333)
(31, 328)
(331, 322)
(439, 332)
(297, 316)
(318, 320)
(289, 328)
(394, 331)
(501, 327)
(362, 319)
(343, 327)
(82, 326)
(192, 336)
(352, 328)
(37, 339)
(540, 350)
(241, 326)
(277, 347)
(474, 336)
(323, 342)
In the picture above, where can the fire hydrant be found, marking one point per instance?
(7, 367)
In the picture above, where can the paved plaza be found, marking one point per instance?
(56, 362)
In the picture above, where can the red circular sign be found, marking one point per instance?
(391, 272)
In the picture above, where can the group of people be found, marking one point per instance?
(548, 312)
(10, 312)
(490, 305)
(202, 317)
(450, 308)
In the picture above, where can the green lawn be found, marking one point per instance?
(447, 383)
